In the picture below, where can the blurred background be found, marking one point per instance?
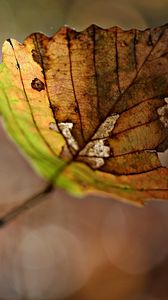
(77, 249)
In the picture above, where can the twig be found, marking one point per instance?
(29, 203)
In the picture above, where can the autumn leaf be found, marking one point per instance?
(89, 108)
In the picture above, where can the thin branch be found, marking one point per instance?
(29, 203)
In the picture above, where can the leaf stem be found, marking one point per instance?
(29, 203)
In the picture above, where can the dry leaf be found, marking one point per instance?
(89, 108)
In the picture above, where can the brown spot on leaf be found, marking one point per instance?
(36, 57)
(76, 109)
(37, 84)
(150, 42)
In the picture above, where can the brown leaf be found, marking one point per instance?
(105, 91)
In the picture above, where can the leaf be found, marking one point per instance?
(89, 109)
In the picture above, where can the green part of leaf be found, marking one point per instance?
(21, 129)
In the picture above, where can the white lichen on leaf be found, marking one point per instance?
(97, 148)
(65, 128)
(163, 115)
(106, 127)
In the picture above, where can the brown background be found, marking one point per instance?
(67, 248)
